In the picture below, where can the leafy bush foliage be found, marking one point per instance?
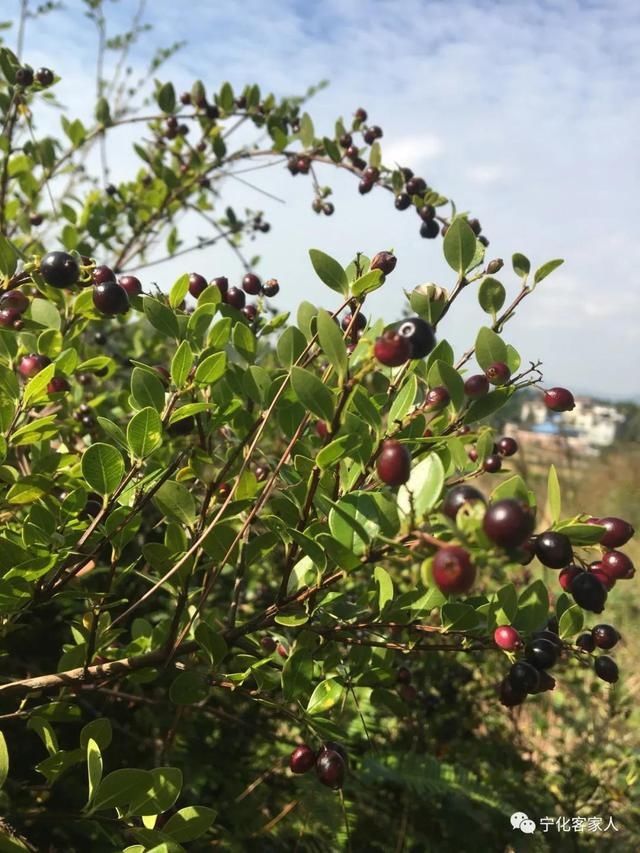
(229, 533)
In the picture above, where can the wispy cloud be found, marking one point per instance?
(525, 113)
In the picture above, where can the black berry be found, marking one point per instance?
(330, 768)
(59, 269)
(507, 446)
(235, 297)
(554, 549)
(492, 464)
(419, 335)
(524, 676)
(508, 523)
(110, 299)
(605, 636)
(588, 592)
(429, 229)
(541, 653)
(402, 201)
(607, 669)
(457, 497)
(585, 642)
(197, 283)
(251, 284)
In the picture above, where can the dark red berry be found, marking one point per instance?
(585, 642)
(222, 283)
(328, 208)
(130, 284)
(59, 269)
(24, 76)
(607, 669)
(524, 676)
(436, 399)
(416, 186)
(419, 335)
(357, 325)
(605, 636)
(15, 299)
(403, 675)
(44, 76)
(32, 364)
(559, 400)
(541, 653)
(322, 430)
(261, 472)
(427, 212)
(371, 174)
(507, 446)
(268, 644)
(394, 463)
(360, 115)
(475, 226)
(235, 297)
(251, 284)
(384, 261)
(452, 570)
(9, 317)
(588, 592)
(391, 349)
(102, 273)
(606, 580)
(429, 230)
(510, 694)
(554, 549)
(402, 201)
(476, 386)
(618, 532)
(271, 287)
(330, 768)
(58, 385)
(617, 565)
(250, 312)
(185, 98)
(508, 522)
(498, 373)
(365, 187)
(371, 134)
(302, 759)
(197, 283)
(110, 299)
(506, 637)
(472, 453)
(346, 140)
(567, 577)
(457, 497)
(492, 464)
(36, 219)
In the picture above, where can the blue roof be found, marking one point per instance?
(551, 428)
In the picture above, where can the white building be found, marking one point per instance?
(597, 423)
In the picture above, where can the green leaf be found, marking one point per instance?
(425, 484)
(99, 730)
(179, 290)
(459, 245)
(290, 346)
(188, 688)
(327, 694)
(37, 387)
(4, 760)
(570, 622)
(181, 364)
(102, 468)
(102, 112)
(505, 607)
(403, 400)
(385, 587)
(147, 389)
(211, 369)
(161, 316)
(166, 98)
(176, 501)
(582, 534)
(161, 796)
(244, 341)
(336, 450)
(332, 342)
(367, 283)
(546, 269)
(119, 787)
(329, 271)
(491, 295)
(490, 348)
(533, 607)
(521, 265)
(459, 617)
(226, 97)
(306, 130)
(211, 641)
(189, 823)
(94, 768)
(553, 494)
(8, 256)
(487, 405)
(45, 313)
(144, 432)
(313, 395)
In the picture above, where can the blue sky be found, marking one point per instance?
(524, 112)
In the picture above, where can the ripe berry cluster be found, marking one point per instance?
(330, 762)
(235, 296)
(13, 304)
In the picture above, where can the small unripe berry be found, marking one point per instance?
(495, 266)
(506, 637)
(32, 364)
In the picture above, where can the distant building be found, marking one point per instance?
(590, 423)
